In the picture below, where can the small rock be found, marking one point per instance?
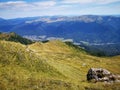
(102, 75)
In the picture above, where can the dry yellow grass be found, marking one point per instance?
(52, 65)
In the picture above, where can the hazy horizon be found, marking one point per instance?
(58, 16)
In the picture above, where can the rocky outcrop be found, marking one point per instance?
(102, 75)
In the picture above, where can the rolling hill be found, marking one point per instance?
(52, 65)
(15, 38)
(93, 29)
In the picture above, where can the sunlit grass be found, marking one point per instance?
(53, 65)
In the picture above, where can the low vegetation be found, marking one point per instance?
(15, 38)
(53, 65)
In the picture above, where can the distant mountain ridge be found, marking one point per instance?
(90, 28)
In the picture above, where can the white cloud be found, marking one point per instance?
(90, 1)
(22, 5)
(101, 10)
(107, 1)
(46, 3)
(22, 8)
(77, 1)
(11, 4)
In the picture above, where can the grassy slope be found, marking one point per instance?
(52, 65)
(15, 38)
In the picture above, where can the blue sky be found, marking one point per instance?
(30, 8)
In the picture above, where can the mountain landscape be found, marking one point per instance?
(59, 44)
(89, 28)
(56, 52)
(92, 31)
(50, 65)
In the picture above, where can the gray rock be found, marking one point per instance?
(101, 75)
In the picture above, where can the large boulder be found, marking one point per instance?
(102, 75)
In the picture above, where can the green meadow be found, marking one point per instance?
(53, 65)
